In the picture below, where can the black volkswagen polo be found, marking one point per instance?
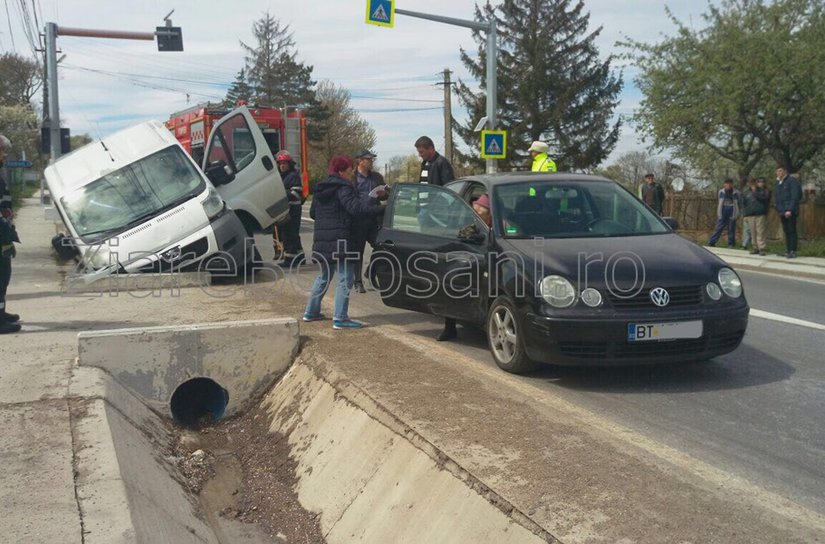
(573, 270)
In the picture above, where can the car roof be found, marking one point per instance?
(504, 178)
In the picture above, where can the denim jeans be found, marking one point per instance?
(319, 289)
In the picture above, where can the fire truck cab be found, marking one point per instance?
(245, 139)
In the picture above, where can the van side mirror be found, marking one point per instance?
(218, 173)
(671, 222)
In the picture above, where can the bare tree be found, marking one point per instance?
(347, 132)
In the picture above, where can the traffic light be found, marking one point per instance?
(170, 38)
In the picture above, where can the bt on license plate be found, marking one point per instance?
(641, 332)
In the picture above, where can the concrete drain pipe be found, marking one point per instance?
(198, 402)
(195, 374)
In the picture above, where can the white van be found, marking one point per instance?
(136, 202)
(240, 164)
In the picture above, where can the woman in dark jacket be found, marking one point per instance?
(334, 203)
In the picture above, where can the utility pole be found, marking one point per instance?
(448, 116)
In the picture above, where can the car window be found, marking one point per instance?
(429, 209)
(456, 186)
(234, 144)
(559, 209)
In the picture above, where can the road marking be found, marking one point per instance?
(718, 480)
(785, 319)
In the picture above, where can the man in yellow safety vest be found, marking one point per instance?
(541, 162)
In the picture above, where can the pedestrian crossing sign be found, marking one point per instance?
(381, 12)
(493, 144)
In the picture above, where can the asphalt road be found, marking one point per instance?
(755, 414)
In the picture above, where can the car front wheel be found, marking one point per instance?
(505, 339)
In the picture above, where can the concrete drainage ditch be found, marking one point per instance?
(355, 471)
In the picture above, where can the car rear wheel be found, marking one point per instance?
(505, 339)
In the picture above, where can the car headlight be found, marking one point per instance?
(730, 283)
(213, 204)
(557, 291)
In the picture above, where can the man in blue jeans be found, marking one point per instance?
(727, 210)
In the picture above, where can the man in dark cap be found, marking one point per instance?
(364, 228)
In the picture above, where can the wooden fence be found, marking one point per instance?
(697, 217)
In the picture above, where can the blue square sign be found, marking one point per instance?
(493, 144)
(381, 12)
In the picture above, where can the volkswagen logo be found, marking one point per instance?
(660, 297)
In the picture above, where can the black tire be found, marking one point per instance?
(505, 339)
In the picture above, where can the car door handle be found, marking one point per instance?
(387, 244)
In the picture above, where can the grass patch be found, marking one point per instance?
(807, 248)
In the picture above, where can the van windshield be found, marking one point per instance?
(127, 197)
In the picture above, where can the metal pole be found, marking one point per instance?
(492, 61)
(51, 76)
(448, 118)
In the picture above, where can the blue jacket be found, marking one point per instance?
(334, 204)
(788, 195)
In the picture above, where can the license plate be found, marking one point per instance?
(645, 332)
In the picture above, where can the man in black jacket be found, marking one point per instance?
(755, 203)
(435, 169)
(8, 322)
(788, 197)
(291, 230)
(364, 228)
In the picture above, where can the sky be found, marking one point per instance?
(391, 73)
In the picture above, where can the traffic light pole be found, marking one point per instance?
(492, 54)
(52, 31)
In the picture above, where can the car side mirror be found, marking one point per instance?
(471, 234)
(218, 173)
(671, 222)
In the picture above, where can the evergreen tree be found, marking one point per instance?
(238, 91)
(552, 86)
(276, 78)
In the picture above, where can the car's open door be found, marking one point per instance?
(248, 178)
(424, 258)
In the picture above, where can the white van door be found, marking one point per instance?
(238, 162)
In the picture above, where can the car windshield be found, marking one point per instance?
(128, 196)
(571, 209)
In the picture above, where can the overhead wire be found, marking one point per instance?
(11, 32)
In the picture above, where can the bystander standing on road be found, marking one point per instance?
(755, 203)
(727, 210)
(291, 230)
(364, 227)
(8, 236)
(334, 205)
(541, 160)
(653, 194)
(435, 168)
(747, 238)
(788, 197)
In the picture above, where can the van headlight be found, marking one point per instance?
(730, 283)
(557, 291)
(213, 204)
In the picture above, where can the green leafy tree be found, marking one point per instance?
(552, 85)
(347, 131)
(745, 85)
(238, 91)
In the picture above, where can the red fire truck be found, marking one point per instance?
(282, 130)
